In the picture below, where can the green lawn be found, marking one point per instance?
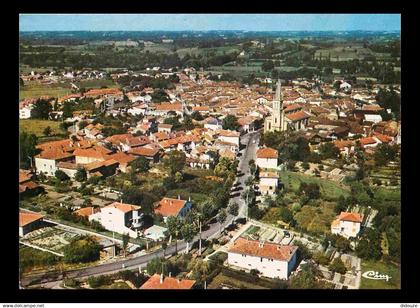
(316, 219)
(32, 126)
(96, 83)
(329, 189)
(383, 268)
(116, 285)
(35, 90)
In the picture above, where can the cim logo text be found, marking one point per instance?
(376, 276)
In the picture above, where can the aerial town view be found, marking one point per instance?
(209, 151)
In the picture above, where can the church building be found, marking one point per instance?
(282, 118)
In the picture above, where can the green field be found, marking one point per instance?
(383, 268)
(316, 219)
(96, 83)
(35, 90)
(37, 127)
(329, 189)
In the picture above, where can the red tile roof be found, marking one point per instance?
(263, 250)
(169, 107)
(26, 218)
(297, 116)
(346, 216)
(267, 153)
(123, 207)
(144, 152)
(86, 211)
(167, 283)
(367, 140)
(169, 207)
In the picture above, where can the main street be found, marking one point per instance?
(248, 153)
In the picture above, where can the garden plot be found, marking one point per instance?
(50, 238)
(263, 234)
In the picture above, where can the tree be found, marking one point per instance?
(27, 149)
(200, 269)
(267, 66)
(226, 167)
(82, 124)
(384, 153)
(337, 266)
(141, 164)
(197, 116)
(82, 249)
(125, 239)
(174, 225)
(42, 109)
(175, 161)
(307, 279)
(188, 232)
(47, 131)
(310, 190)
(221, 217)
(328, 150)
(230, 122)
(321, 258)
(233, 209)
(68, 110)
(80, 175)
(61, 176)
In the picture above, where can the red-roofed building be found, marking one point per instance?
(168, 283)
(270, 259)
(173, 207)
(119, 217)
(267, 158)
(29, 221)
(347, 224)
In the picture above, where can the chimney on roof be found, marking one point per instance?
(261, 244)
(170, 274)
(161, 278)
(189, 198)
(179, 197)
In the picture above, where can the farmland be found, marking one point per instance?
(32, 126)
(34, 90)
(329, 189)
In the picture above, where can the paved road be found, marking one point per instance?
(248, 153)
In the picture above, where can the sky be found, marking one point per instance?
(204, 22)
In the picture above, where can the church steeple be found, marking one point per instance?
(278, 96)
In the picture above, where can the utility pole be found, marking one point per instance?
(199, 243)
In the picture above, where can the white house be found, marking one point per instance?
(375, 118)
(267, 158)
(26, 111)
(345, 86)
(229, 136)
(347, 224)
(155, 233)
(212, 123)
(269, 182)
(46, 162)
(119, 217)
(270, 259)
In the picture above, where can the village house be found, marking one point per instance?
(119, 217)
(169, 283)
(29, 222)
(151, 154)
(167, 128)
(268, 183)
(270, 259)
(229, 136)
(347, 224)
(267, 158)
(173, 207)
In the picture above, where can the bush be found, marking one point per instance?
(254, 272)
(337, 266)
(71, 283)
(61, 176)
(82, 249)
(96, 282)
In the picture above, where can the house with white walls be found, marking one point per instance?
(270, 259)
(347, 224)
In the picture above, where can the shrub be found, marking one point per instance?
(82, 249)
(95, 282)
